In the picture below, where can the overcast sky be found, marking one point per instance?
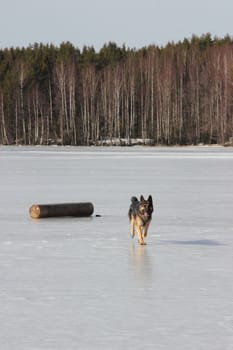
(95, 22)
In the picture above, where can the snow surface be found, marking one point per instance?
(83, 283)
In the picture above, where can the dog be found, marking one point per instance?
(140, 216)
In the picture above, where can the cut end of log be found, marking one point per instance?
(34, 211)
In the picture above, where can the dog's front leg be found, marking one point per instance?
(140, 235)
(146, 228)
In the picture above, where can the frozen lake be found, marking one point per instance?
(83, 283)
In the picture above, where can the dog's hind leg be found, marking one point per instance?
(132, 232)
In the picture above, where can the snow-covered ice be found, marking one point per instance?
(83, 283)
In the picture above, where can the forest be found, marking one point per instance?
(179, 94)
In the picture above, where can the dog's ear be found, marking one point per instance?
(150, 200)
(142, 198)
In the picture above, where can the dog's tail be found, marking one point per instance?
(134, 199)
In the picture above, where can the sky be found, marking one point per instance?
(133, 23)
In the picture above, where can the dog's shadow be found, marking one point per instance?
(202, 242)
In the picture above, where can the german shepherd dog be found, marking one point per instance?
(140, 215)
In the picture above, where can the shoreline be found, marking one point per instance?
(121, 146)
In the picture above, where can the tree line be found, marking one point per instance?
(181, 93)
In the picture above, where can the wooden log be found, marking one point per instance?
(38, 211)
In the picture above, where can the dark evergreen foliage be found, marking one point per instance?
(178, 94)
